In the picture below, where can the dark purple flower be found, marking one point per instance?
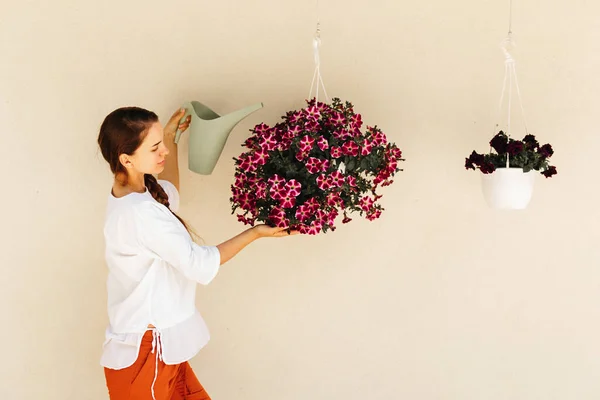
(549, 172)
(469, 164)
(514, 147)
(476, 158)
(487, 168)
(546, 151)
(530, 142)
(499, 143)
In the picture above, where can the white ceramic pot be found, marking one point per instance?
(508, 188)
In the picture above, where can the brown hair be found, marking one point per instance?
(122, 132)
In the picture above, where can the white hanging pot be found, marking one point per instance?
(508, 188)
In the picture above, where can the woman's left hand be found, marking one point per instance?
(268, 231)
(174, 123)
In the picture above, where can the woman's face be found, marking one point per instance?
(150, 157)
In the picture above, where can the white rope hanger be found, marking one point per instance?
(317, 74)
(510, 76)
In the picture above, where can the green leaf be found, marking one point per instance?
(351, 165)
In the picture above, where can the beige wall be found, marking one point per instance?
(442, 298)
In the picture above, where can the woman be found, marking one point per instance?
(154, 265)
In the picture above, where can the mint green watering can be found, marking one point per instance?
(208, 133)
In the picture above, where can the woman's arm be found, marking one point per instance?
(231, 247)
(171, 171)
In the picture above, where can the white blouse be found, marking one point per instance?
(153, 269)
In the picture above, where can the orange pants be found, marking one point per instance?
(174, 382)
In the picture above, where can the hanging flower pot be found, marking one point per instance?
(315, 165)
(511, 188)
(507, 170)
(508, 188)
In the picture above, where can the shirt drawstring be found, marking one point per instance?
(156, 346)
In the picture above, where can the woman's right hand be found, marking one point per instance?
(269, 231)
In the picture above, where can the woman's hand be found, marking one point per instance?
(231, 247)
(268, 231)
(171, 170)
(173, 125)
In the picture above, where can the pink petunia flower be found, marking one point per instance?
(373, 215)
(315, 228)
(312, 126)
(261, 129)
(303, 213)
(337, 179)
(312, 204)
(287, 201)
(306, 144)
(350, 148)
(342, 134)
(246, 201)
(336, 152)
(338, 119)
(275, 180)
(313, 165)
(261, 190)
(367, 148)
(379, 139)
(366, 203)
(293, 187)
(279, 217)
(260, 157)
(324, 182)
(278, 191)
(356, 121)
(292, 132)
(334, 199)
(295, 117)
(351, 180)
(268, 143)
(247, 164)
(323, 143)
(313, 113)
(301, 155)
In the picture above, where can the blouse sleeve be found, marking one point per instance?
(172, 193)
(164, 236)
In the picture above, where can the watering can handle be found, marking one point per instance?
(178, 133)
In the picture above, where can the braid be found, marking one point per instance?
(156, 190)
(159, 194)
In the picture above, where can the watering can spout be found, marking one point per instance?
(208, 134)
(235, 117)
